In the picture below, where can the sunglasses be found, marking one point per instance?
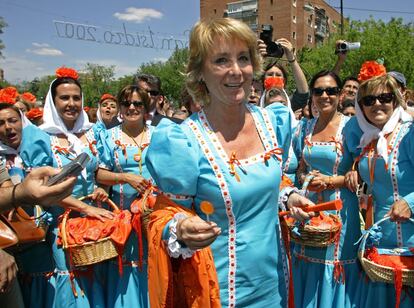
(153, 92)
(137, 104)
(384, 98)
(329, 91)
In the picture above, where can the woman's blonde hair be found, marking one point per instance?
(370, 86)
(201, 41)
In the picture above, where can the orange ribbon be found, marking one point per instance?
(276, 152)
(61, 150)
(233, 162)
(92, 148)
(309, 144)
(122, 146)
(338, 145)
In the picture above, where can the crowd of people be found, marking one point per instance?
(237, 142)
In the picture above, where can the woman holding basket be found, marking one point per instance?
(326, 276)
(65, 133)
(381, 137)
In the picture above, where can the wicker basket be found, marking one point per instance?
(91, 252)
(313, 235)
(378, 272)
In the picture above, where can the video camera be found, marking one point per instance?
(273, 49)
(346, 46)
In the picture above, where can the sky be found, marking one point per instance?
(44, 34)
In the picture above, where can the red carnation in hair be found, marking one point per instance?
(62, 72)
(34, 113)
(107, 96)
(274, 82)
(10, 91)
(86, 108)
(6, 98)
(370, 69)
(28, 97)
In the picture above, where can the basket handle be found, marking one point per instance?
(66, 216)
(365, 236)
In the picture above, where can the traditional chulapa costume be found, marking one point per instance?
(189, 165)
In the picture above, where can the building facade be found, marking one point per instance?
(304, 23)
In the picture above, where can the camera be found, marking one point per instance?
(272, 49)
(346, 46)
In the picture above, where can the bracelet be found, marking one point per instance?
(13, 200)
(293, 60)
(330, 184)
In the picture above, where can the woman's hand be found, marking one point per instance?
(139, 183)
(351, 180)
(8, 271)
(99, 194)
(400, 211)
(318, 182)
(97, 213)
(287, 47)
(196, 233)
(295, 202)
(261, 48)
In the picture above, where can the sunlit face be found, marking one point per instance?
(10, 128)
(228, 72)
(109, 109)
(325, 103)
(130, 112)
(350, 89)
(255, 93)
(349, 111)
(68, 103)
(379, 114)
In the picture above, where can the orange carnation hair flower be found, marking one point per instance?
(107, 96)
(6, 98)
(86, 108)
(28, 97)
(34, 113)
(62, 72)
(370, 69)
(274, 82)
(10, 91)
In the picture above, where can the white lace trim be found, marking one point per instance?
(284, 196)
(175, 249)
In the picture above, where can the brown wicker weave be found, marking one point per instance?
(382, 273)
(314, 236)
(91, 252)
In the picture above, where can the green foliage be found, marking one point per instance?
(170, 72)
(392, 41)
(3, 24)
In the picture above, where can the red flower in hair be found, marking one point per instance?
(107, 96)
(86, 108)
(274, 82)
(6, 98)
(34, 113)
(62, 72)
(28, 97)
(10, 91)
(370, 69)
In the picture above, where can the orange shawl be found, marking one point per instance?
(178, 282)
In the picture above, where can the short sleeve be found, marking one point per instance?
(35, 148)
(173, 160)
(299, 137)
(281, 120)
(104, 148)
(351, 136)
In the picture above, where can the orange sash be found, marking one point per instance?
(178, 282)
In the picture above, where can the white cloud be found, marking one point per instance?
(18, 68)
(121, 68)
(137, 15)
(44, 50)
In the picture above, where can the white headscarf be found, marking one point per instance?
(262, 103)
(53, 124)
(371, 132)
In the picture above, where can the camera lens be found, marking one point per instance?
(274, 50)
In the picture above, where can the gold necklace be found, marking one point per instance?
(137, 156)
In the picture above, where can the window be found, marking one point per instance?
(294, 19)
(294, 35)
(215, 11)
(294, 3)
(271, 17)
(309, 38)
(271, 2)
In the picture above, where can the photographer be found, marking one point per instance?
(274, 68)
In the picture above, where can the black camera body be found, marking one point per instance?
(272, 49)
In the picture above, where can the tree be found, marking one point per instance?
(3, 24)
(171, 73)
(392, 41)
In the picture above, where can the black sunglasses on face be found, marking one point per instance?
(329, 91)
(137, 104)
(153, 92)
(384, 98)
